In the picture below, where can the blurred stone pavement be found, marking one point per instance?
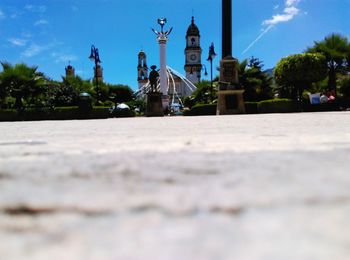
(243, 187)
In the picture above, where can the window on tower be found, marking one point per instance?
(193, 40)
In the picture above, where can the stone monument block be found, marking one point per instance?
(228, 72)
(154, 105)
(230, 94)
(230, 102)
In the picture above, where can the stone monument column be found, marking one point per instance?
(226, 28)
(230, 92)
(163, 72)
(163, 78)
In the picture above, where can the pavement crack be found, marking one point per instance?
(34, 211)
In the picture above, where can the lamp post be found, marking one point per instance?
(95, 57)
(205, 72)
(211, 57)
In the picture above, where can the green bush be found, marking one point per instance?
(66, 113)
(251, 107)
(124, 113)
(58, 113)
(277, 106)
(99, 113)
(343, 102)
(34, 114)
(8, 115)
(202, 110)
(321, 107)
(345, 87)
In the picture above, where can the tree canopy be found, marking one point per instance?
(21, 82)
(300, 71)
(256, 83)
(203, 94)
(336, 49)
(25, 86)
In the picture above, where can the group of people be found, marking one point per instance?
(327, 97)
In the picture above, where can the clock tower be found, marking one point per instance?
(193, 54)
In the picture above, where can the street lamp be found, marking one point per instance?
(203, 67)
(205, 72)
(211, 57)
(95, 57)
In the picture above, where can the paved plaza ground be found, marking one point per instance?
(274, 186)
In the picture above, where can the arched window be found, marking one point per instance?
(193, 41)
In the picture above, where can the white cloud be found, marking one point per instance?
(292, 2)
(2, 14)
(63, 57)
(35, 8)
(26, 34)
(18, 42)
(41, 22)
(34, 49)
(289, 13)
(16, 13)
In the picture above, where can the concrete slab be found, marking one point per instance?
(231, 187)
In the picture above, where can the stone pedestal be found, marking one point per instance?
(154, 105)
(230, 102)
(230, 94)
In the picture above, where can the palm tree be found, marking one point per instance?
(21, 82)
(336, 49)
(256, 83)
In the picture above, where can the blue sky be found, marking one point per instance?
(48, 34)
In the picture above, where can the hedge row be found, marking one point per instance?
(59, 113)
(278, 106)
(201, 109)
(266, 106)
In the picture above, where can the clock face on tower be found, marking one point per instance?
(193, 57)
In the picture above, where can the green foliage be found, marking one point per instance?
(59, 94)
(336, 49)
(67, 92)
(24, 87)
(99, 113)
(22, 82)
(202, 110)
(299, 71)
(256, 83)
(8, 115)
(277, 106)
(139, 105)
(345, 86)
(124, 113)
(120, 93)
(59, 113)
(204, 94)
(78, 85)
(251, 107)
